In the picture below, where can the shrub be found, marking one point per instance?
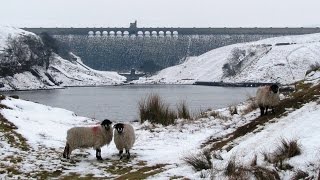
(199, 161)
(49, 42)
(156, 111)
(234, 64)
(228, 70)
(183, 110)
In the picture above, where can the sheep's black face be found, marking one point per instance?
(119, 127)
(106, 123)
(274, 88)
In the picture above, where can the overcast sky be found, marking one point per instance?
(160, 13)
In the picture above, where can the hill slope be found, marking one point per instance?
(27, 63)
(281, 59)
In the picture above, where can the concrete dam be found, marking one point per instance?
(152, 49)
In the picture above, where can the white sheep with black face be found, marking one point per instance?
(267, 97)
(124, 138)
(87, 137)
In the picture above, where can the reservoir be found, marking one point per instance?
(120, 103)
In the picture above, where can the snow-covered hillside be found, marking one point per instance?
(159, 152)
(282, 59)
(58, 74)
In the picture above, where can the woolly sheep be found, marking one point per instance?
(267, 97)
(124, 138)
(86, 137)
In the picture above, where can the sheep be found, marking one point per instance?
(124, 138)
(267, 97)
(86, 137)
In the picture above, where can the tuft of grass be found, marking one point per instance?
(183, 110)
(299, 174)
(239, 172)
(199, 161)
(233, 110)
(156, 111)
(231, 167)
(262, 173)
(286, 150)
(235, 171)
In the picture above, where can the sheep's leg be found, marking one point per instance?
(98, 154)
(120, 152)
(69, 152)
(66, 152)
(273, 111)
(266, 110)
(261, 110)
(128, 154)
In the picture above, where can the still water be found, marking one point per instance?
(120, 103)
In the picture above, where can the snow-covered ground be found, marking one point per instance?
(281, 59)
(302, 125)
(64, 73)
(60, 73)
(45, 129)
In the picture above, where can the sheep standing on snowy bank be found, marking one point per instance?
(86, 137)
(124, 138)
(267, 97)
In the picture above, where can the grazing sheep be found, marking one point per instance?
(267, 97)
(124, 138)
(86, 137)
